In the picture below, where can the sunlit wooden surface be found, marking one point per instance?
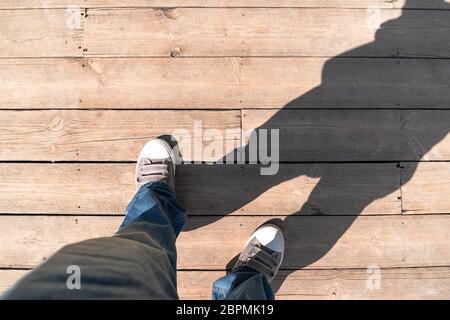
(358, 89)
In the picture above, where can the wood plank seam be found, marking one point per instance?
(281, 269)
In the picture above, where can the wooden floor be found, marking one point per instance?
(359, 89)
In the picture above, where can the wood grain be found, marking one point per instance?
(338, 78)
(20, 4)
(315, 135)
(425, 135)
(305, 189)
(224, 83)
(41, 33)
(286, 32)
(424, 192)
(402, 283)
(66, 188)
(9, 277)
(354, 135)
(329, 135)
(113, 135)
(312, 242)
(417, 4)
(324, 189)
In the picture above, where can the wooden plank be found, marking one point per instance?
(325, 242)
(231, 83)
(355, 135)
(417, 4)
(425, 135)
(344, 188)
(425, 187)
(285, 32)
(329, 135)
(113, 135)
(314, 135)
(301, 189)
(20, 4)
(402, 283)
(40, 4)
(347, 189)
(41, 33)
(324, 189)
(9, 277)
(66, 188)
(312, 242)
(37, 231)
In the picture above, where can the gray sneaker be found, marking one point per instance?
(156, 163)
(263, 251)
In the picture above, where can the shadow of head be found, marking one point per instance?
(372, 110)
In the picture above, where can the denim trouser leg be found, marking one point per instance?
(242, 284)
(138, 262)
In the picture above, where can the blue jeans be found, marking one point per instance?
(242, 284)
(138, 262)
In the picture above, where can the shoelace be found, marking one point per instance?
(153, 170)
(259, 258)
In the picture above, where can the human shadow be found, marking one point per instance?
(372, 104)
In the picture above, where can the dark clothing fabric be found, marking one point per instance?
(138, 262)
